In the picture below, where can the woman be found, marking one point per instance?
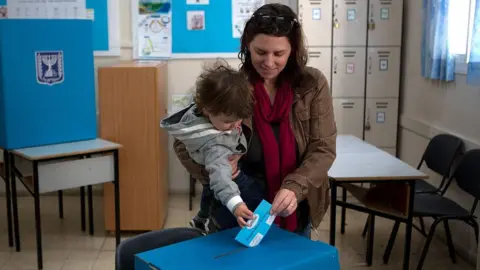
(293, 123)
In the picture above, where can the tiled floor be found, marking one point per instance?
(67, 247)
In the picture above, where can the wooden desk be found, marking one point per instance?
(63, 166)
(391, 195)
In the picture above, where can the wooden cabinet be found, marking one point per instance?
(132, 100)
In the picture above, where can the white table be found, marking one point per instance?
(360, 162)
(63, 166)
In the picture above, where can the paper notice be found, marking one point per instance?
(242, 10)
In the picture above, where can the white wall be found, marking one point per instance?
(429, 108)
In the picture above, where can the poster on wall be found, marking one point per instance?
(242, 10)
(50, 9)
(154, 28)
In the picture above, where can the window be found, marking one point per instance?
(460, 30)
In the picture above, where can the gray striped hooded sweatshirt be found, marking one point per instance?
(209, 147)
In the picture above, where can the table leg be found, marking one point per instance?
(344, 211)
(38, 227)
(409, 224)
(6, 178)
(90, 208)
(60, 203)
(14, 201)
(117, 198)
(333, 207)
(370, 240)
(82, 208)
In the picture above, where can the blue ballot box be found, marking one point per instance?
(279, 249)
(47, 87)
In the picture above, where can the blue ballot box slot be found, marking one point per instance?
(279, 249)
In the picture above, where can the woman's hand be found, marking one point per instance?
(284, 204)
(233, 160)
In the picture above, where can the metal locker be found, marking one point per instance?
(350, 23)
(316, 19)
(381, 122)
(383, 72)
(391, 150)
(385, 23)
(348, 72)
(321, 58)
(349, 116)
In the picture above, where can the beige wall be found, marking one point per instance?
(429, 108)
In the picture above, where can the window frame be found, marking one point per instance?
(461, 61)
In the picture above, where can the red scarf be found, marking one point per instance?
(280, 158)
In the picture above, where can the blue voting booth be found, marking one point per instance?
(279, 249)
(47, 87)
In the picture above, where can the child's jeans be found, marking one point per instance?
(252, 195)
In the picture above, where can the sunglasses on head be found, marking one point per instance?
(276, 24)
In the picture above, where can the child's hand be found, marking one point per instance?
(243, 214)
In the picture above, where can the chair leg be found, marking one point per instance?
(475, 228)
(391, 242)
(422, 226)
(427, 243)
(344, 211)
(365, 228)
(451, 248)
(191, 193)
(60, 203)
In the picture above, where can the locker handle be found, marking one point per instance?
(369, 65)
(335, 65)
(367, 121)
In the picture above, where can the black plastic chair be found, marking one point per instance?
(441, 152)
(125, 254)
(442, 209)
(439, 156)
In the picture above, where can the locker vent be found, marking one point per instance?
(382, 105)
(348, 105)
(386, 2)
(383, 53)
(350, 2)
(314, 54)
(349, 53)
(315, 2)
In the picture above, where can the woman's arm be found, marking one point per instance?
(196, 170)
(321, 149)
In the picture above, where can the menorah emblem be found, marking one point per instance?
(49, 67)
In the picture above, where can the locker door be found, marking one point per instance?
(381, 122)
(383, 72)
(350, 23)
(316, 19)
(385, 23)
(349, 116)
(348, 72)
(321, 58)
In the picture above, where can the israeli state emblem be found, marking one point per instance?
(49, 67)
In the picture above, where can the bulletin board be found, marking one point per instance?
(215, 40)
(215, 37)
(106, 25)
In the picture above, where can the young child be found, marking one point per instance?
(211, 131)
